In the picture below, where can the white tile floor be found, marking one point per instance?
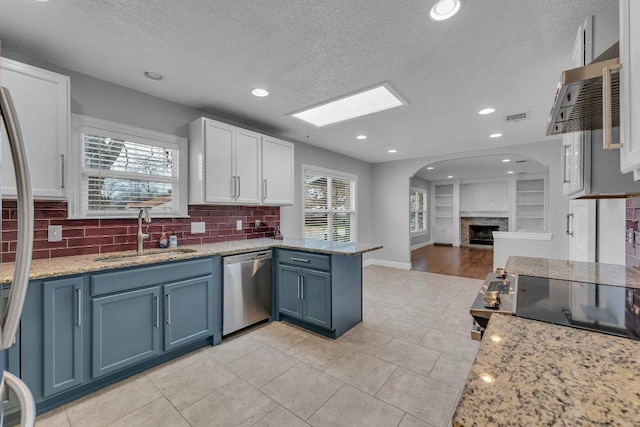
(405, 365)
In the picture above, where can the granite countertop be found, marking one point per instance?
(549, 375)
(64, 266)
(590, 272)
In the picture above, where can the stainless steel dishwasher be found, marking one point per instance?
(246, 290)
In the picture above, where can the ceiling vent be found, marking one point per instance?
(513, 118)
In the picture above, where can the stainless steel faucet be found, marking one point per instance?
(142, 214)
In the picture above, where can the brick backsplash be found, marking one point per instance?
(633, 222)
(96, 236)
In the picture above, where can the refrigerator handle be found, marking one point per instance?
(27, 403)
(13, 311)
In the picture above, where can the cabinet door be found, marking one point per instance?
(277, 172)
(41, 100)
(62, 335)
(629, 86)
(125, 329)
(248, 167)
(316, 297)
(218, 164)
(582, 230)
(188, 311)
(289, 284)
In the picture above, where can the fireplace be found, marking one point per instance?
(482, 234)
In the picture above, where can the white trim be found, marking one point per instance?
(521, 235)
(421, 245)
(385, 263)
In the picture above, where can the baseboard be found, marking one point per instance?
(385, 263)
(421, 245)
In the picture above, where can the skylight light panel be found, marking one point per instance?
(369, 101)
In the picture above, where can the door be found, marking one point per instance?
(316, 297)
(248, 167)
(188, 311)
(41, 100)
(629, 86)
(289, 289)
(219, 181)
(277, 172)
(581, 228)
(62, 334)
(125, 329)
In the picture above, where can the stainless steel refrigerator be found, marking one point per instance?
(11, 307)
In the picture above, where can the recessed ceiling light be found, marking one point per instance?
(392, 150)
(259, 92)
(506, 160)
(361, 137)
(511, 172)
(366, 102)
(450, 176)
(430, 168)
(486, 111)
(42, 1)
(153, 75)
(495, 135)
(445, 9)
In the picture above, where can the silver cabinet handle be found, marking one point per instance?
(299, 259)
(298, 287)
(564, 164)
(569, 232)
(264, 189)
(79, 308)
(302, 287)
(27, 403)
(157, 311)
(62, 171)
(25, 220)
(607, 121)
(233, 186)
(239, 188)
(168, 309)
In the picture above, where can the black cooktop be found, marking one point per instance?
(601, 308)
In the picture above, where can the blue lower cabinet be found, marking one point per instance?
(289, 284)
(188, 311)
(316, 297)
(62, 335)
(125, 329)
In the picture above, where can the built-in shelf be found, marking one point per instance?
(530, 205)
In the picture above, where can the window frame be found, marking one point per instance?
(424, 211)
(85, 124)
(331, 173)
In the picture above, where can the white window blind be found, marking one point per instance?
(329, 206)
(121, 172)
(418, 210)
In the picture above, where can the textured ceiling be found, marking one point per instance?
(504, 53)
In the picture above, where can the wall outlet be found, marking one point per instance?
(239, 224)
(257, 223)
(55, 233)
(197, 227)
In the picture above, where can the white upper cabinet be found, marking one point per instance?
(42, 103)
(277, 172)
(630, 86)
(230, 165)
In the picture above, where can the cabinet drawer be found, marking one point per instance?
(304, 259)
(139, 277)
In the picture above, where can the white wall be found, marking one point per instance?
(484, 196)
(391, 207)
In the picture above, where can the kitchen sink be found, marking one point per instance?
(146, 254)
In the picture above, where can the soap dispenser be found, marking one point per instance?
(173, 240)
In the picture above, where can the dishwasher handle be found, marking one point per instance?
(248, 257)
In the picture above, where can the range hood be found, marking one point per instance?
(588, 97)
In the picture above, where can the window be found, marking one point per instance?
(329, 205)
(418, 210)
(122, 169)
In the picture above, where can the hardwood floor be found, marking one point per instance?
(453, 261)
